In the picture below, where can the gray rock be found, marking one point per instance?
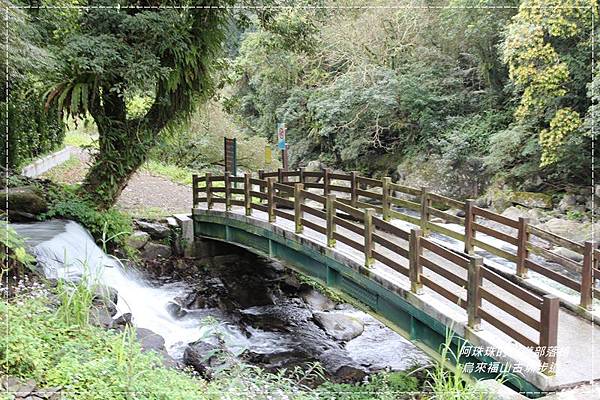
(152, 251)
(49, 393)
(532, 199)
(175, 310)
(318, 301)
(18, 387)
(570, 254)
(138, 239)
(515, 212)
(568, 229)
(123, 320)
(201, 356)
(156, 230)
(341, 367)
(106, 297)
(150, 340)
(101, 317)
(24, 202)
(567, 202)
(339, 326)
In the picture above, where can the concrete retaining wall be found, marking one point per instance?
(48, 162)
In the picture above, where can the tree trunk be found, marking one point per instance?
(123, 148)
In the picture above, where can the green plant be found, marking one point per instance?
(383, 385)
(109, 227)
(75, 301)
(12, 246)
(447, 380)
(575, 215)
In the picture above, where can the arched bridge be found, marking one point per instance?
(422, 269)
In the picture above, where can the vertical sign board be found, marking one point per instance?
(230, 156)
(281, 144)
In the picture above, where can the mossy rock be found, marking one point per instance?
(25, 202)
(532, 200)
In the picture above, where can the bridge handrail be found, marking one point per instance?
(368, 195)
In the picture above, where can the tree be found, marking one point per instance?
(545, 47)
(167, 55)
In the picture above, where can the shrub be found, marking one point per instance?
(108, 227)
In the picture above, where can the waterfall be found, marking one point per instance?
(66, 250)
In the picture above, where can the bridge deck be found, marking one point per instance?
(576, 360)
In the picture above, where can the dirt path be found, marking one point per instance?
(145, 195)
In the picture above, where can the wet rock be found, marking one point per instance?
(152, 341)
(339, 326)
(49, 393)
(250, 293)
(24, 203)
(175, 310)
(201, 356)
(341, 367)
(570, 254)
(122, 321)
(193, 301)
(457, 212)
(317, 301)
(138, 239)
(106, 297)
(153, 251)
(155, 230)
(532, 199)
(101, 317)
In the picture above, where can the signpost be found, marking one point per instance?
(230, 155)
(282, 145)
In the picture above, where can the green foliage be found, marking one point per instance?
(75, 302)
(384, 385)
(13, 250)
(544, 48)
(106, 226)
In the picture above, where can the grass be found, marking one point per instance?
(171, 172)
(60, 348)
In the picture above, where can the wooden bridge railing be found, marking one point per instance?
(465, 285)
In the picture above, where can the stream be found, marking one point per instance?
(246, 306)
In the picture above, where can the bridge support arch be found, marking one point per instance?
(399, 309)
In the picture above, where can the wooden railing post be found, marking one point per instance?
(298, 202)
(469, 231)
(247, 196)
(385, 197)
(329, 215)
(415, 269)
(353, 187)
(587, 275)
(522, 252)
(549, 332)
(474, 283)
(209, 201)
(227, 181)
(425, 204)
(271, 198)
(194, 190)
(301, 177)
(261, 176)
(369, 244)
(280, 175)
(326, 180)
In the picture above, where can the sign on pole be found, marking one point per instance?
(230, 155)
(268, 155)
(281, 131)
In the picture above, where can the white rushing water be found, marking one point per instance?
(67, 251)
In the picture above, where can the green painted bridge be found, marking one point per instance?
(372, 240)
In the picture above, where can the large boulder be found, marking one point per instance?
(317, 301)
(153, 251)
(154, 229)
(567, 202)
(569, 229)
(339, 326)
(138, 239)
(24, 202)
(201, 356)
(341, 367)
(532, 200)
